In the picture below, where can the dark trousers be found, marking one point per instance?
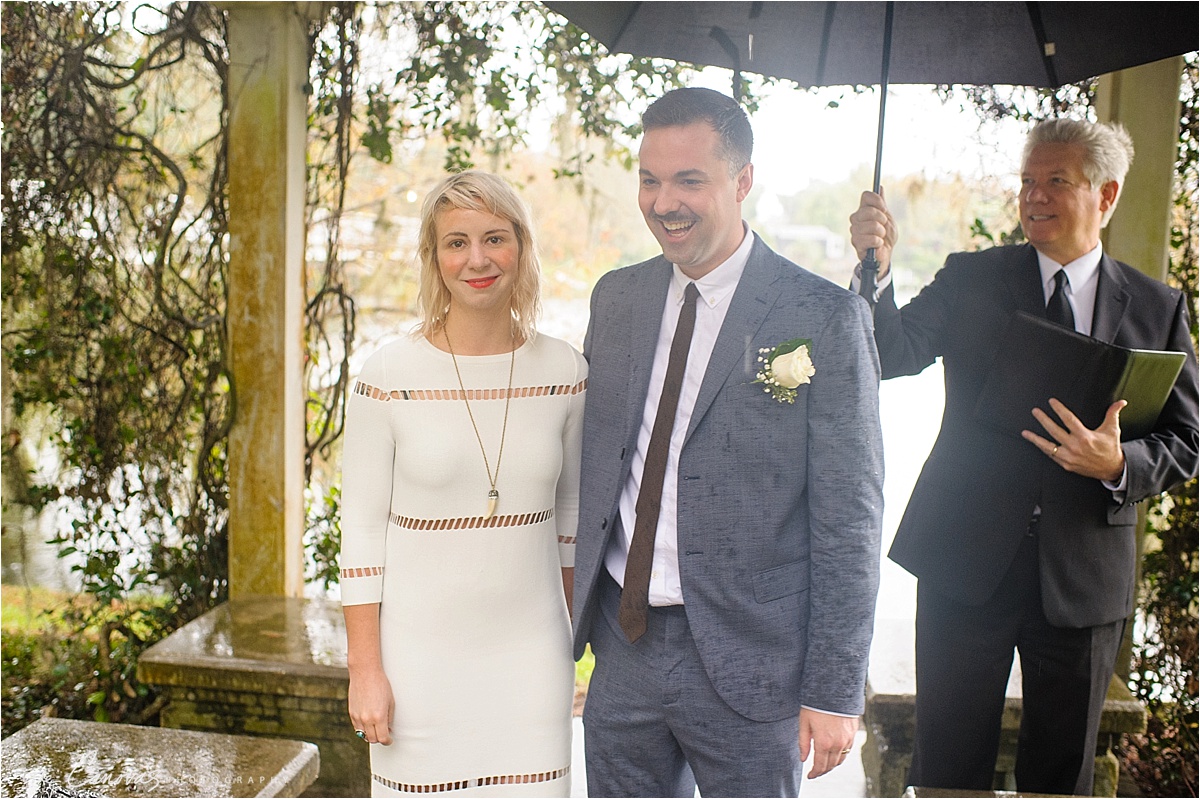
(964, 656)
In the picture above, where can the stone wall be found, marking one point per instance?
(266, 666)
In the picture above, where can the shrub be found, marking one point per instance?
(71, 658)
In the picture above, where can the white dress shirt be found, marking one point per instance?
(1082, 276)
(716, 290)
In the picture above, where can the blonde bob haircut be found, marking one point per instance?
(475, 190)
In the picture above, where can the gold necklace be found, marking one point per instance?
(493, 497)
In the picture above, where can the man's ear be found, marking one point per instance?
(745, 182)
(1108, 195)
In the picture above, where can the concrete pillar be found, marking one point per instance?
(267, 118)
(1145, 100)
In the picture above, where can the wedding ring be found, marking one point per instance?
(1053, 452)
(361, 734)
(846, 751)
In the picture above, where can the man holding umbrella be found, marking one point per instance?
(1028, 543)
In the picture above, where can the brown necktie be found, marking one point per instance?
(1059, 308)
(635, 594)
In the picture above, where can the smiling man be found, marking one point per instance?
(727, 553)
(1028, 543)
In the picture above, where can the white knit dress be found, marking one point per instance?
(474, 626)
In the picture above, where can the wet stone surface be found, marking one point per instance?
(85, 758)
(265, 666)
(260, 644)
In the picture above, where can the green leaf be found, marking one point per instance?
(791, 345)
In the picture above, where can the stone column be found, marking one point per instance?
(1145, 100)
(267, 134)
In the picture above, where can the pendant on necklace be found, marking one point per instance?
(493, 499)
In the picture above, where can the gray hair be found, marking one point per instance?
(1107, 150)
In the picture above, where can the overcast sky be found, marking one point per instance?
(798, 138)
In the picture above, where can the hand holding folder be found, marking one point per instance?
(1039, 359)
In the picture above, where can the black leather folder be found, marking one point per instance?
(1039, 359)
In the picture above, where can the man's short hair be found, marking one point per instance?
(686, 106)
(1107, 149)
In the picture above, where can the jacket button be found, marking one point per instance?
(604, 524)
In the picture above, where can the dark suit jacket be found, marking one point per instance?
(779, 506)
(977, 492)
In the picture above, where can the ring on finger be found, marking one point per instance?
(361, 734)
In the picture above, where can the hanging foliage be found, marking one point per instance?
(113, 261)
(114, 299)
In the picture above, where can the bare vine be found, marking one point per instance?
(115, 287)
(329, 308)
(114, 261)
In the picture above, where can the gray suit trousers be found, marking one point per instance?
(655, 726)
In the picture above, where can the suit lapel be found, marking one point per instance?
(1025, 282)
(751, 302)
(645, 320)
(1111, 301)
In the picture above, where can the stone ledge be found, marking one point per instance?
(266, 666)
(257, 645)
(946, 793)
(123, 760)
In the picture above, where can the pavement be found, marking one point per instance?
(847, 780)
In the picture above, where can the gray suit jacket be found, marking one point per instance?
(779, 506)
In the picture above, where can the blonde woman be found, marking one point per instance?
(461, 487)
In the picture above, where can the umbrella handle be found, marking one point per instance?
(731, 50)
(867, 280)
(870, 266)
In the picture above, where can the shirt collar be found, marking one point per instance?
(1081, 271)
(720, 282)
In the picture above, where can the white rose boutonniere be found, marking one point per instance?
(785, 368)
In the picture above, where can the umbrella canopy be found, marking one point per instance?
(1043, 44)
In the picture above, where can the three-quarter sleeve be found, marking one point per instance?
(368, 454)
(566, 502)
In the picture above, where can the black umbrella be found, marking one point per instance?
(1044, 44)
